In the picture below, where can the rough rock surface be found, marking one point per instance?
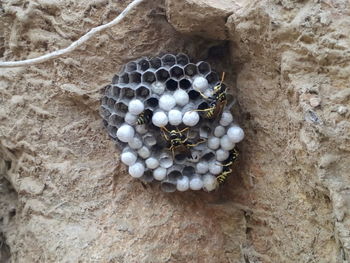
(66, 198)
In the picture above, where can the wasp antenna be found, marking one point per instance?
(222, 77)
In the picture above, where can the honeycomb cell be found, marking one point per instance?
(203, 105)
(193, 94)
(112, 131)
(191, 69)
(104, 100)
(148, 77)
(115, 79)
(127, 93)
(131, 66)
(188, 171)
(105, 123)
(168, 60)
(204, 131)
(180, 158)
(143, 64)
(115, 120)
(106, 90)
(156, 63)
(171, 84)
(142, 92)
(185, 84)
(208, 156)
(176, 72)
(147, 177)
(121, 108)
(135, 77)
(110, 103)
(203, 67)
(105, 113)
(124, 78)
(115, 91)
(212, 78)
(182, 59)
(152, 102)
(149, 139)
(168, 186)
(162, 74)
(174, 172)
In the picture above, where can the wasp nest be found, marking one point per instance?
(171, 119)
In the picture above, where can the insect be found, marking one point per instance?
(178, 141)
(217, 101)
(227, 166)
(144, 117)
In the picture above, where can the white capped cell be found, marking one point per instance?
(175, 117)
(167, 102)
(215, 168)
(137, 170)
(181, 97)
(196, 183)
(135, 143)
(130, 118)
(226, 118)
(200, 84)
(202, 167)
(125, 133)
(222, 155)
(209, 182)
(152, 163)
(158, 87)
(190, 118)
(213, 143)
(235, 134)
(219, 131)
(226, 143)
(136, 107)
(183, 184)
(159, 173)
(160, 119)
(144, 152)
(128, 158)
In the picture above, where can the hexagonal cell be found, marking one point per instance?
(142, 92)
(152, 102)
(147, 177)
(155, 63)
(208, 156)
(121, 108)
(203, 105)
(112, 131)
(182, 59)
(105, 113)
(149, 139)
(203, 67)
(174, 172)
(130, 67)
(185, 84)
(168, 60)
(143, 64)
(115, 79)
(110, 103)
(148, 77)
(212, 77)
(162, 74)
(104, 100)
(106, 90)
(171, 84)
(180, 158)
(191, 69)
(115, 120)
(115, 91)
(124, 78)
(105, 123)
(193, 94)
(188, 171)
(176, 72)
(204, 131)
(168, 186)
(127, 93)
(135, 77)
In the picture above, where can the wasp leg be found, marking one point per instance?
(195, 144)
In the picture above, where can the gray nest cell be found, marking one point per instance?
(172, 122)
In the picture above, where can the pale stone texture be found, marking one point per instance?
(288, 199)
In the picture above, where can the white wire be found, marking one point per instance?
(74, 45)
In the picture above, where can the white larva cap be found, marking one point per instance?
(235, 134)
(190, 118)
(175, 117)
(181, 97)
(167, 102)
(130, 118)
(215, 168)
(226, 143)
(137, 170)
(183, 184)
(226, 119)
(135, 143)
(125, 133)
(209, 182)
(219, 131)
(213, 143)
(144, 152)
(202, 167)
(136, 107)
(222, 155)
(128, 158)
(200, 84)
(159, 173)
(158, 87)
(196, 183)
(152, 163)
(160, 119)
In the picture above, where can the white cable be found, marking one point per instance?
(74, 45)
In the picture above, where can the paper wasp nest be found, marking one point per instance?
(163, 115)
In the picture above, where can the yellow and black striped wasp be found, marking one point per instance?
(217, 101)
(178, 141)
(144, 117)
(227, 166)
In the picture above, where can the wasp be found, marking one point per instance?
(227, 166)
(144, 117)
(178, 141)
(217, 101)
